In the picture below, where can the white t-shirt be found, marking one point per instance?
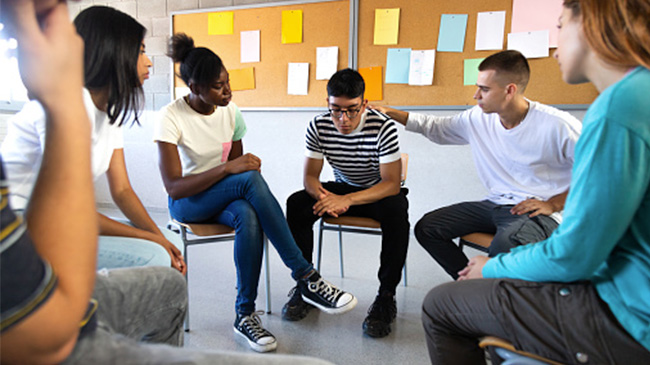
(532, 160)
(22, 149)
(204, 141)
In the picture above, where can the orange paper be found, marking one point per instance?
(242, 79)
(373, 76)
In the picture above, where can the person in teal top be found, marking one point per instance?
(583, 294)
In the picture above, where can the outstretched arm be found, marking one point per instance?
(60, 217)
(395, 114)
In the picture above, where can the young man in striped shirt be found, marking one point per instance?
(362, 147)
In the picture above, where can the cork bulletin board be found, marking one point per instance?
(328, 23)
(325, 24)
(419, 25)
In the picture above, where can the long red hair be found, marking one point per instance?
(617, 30)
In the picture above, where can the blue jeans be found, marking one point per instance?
(244, 202)
(117, 252)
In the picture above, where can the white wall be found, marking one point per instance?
(437, 176)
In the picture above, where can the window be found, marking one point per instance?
(12, 92)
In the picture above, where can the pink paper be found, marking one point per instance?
(533, 15)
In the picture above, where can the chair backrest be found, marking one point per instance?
(405, 167)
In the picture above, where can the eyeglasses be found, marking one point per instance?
(351, 113)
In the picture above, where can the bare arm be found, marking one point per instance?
(388, 186)
(60, 216)
(179, 186)
(124, 196)
(129, 204)
(395, 114)
(311, 177)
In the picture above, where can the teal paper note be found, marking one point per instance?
(471, 70)
(451, 37)
(398, 62)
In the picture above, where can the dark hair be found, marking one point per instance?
(197, 64)
(112, 41)
(511, 64)
(348, 83)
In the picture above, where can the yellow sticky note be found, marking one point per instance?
(372, 77)
(220, 23)
(291, 26)
(386, 26)
(242, 79)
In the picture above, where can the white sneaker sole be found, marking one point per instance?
(255, 346)
(329, 310)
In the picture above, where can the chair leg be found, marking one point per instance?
(341, 250)
(267, 275)
(320, 245)
(187, 276)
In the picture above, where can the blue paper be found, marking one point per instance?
(451, 37)
(398, 61)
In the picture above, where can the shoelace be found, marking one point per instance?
(384, 310)
(253, 325)
(324, 289)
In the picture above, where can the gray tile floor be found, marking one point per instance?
(338, 339)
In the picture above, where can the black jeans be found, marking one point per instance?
(564, 322)
(391, 212)
(436, 230)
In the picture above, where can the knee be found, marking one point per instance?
(425, 231)
(297, 203)
(172, 286)
(245, 216)
(432, 306)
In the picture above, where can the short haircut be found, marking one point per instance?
(197, 64)
(348, 83)
(511, 65)
(112, 41)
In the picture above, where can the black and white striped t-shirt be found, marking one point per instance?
(354, 157)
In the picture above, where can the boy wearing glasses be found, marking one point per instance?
(362, 146)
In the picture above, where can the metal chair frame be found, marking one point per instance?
(196, 234)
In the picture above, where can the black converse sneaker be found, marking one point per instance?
(250, 328)
(296, 308)
(380, 315)
(323, 295)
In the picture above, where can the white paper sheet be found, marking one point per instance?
(490, 28)
(421, 67)
(298, 78)
(327, 59)
(250, 46)
(531, 44)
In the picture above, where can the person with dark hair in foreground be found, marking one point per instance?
(363, 149)
(523, 151)
(49, 313)
(581, 296)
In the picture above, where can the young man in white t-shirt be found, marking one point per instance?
(523, 151)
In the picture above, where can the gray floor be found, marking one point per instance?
(335, 338)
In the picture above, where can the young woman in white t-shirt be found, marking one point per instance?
(210, 179)
(115, 67)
